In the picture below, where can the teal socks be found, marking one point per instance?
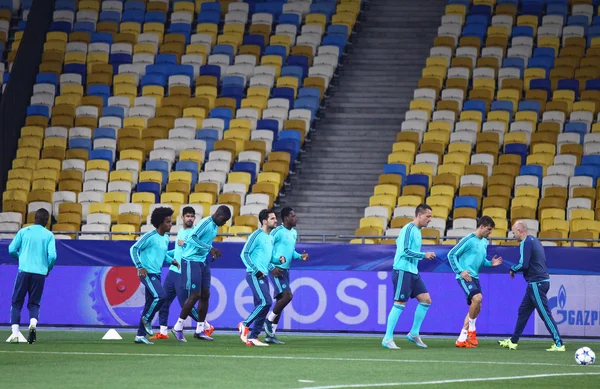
(420, 313)
(393, 320)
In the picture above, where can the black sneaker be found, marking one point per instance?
(32, 336)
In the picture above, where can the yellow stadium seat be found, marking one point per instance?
(97, 164)
(239, 177)
(123, 228)
(384, 200)
(373, 222)
(185, 177)
(151, 176)
(121, 175)
(386, 189)
(409, 201)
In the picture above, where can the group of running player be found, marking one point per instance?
(467, 259)
(269, 251)
(267, 254)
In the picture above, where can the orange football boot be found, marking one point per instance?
(472, 338)
(159, 336)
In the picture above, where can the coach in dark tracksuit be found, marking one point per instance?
(533, 265)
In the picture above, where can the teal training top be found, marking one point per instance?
(257, 252)
(177, 252)
(408, 249)
(469, 254)
(150, 252)
(284, 245)
(199, 242)
(35, 248)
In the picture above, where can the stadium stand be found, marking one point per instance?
(504, 123)
(143, 104)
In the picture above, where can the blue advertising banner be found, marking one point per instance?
(560, 260)
(341, 287)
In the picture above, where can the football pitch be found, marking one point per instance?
(80, 359)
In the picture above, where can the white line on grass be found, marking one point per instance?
(441, 382)
(295, 358)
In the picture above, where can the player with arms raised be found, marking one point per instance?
(195, 270)
(148, 254)
(284, 245)
(466, 259)
(407, 280)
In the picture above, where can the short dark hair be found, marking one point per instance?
(264, 215)
(421, 209)
(486, 221)
(188, 210)
(285, 212)
(42, 216)
(224, 210)
(159, 215)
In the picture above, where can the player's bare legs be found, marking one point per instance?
(202, 311)
(468, 335)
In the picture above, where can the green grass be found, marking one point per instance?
(80, 359)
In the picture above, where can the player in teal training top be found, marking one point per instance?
(148, 255)
(173, 285)
(406, 279)
(466, 259)
(195, 271)
(284, 245)
(256, 255)
(35, 248)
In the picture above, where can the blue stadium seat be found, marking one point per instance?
(589, 171)
(293, 19)
(533, 170)
(211, 70)
(268, 124)
(105, 133)
(503, 105)
(150, 187)
(465, 202)
(522, 31)
(113, 111)
(569, 85)
(134, 6)
(80, 143)
(577, 128)
(101, 37)
(104, 154)
(530, 105)
(248, 167)
(155, 17)
(283, 93)
(418, 179)
(518, 149)
(288, 146)
(211, 17)
(136, 16)
(159, 166)
(38, 110)
(188, 166)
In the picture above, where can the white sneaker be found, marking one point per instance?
(389, 344)
(244, 331)
(13, 338)
(256, 342)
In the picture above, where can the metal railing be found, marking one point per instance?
(316, 237)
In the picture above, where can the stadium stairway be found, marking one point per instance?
(374, 89)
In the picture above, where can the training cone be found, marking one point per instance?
(21, 338)
(112, 334)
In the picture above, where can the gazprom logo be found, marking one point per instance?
(572, 317)
(562, 297)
